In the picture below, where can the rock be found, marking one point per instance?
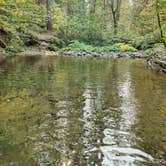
(104, 55)
(43, 45)
(3, 54)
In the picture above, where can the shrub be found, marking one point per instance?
(52, 48)
(143, 43)
(125, 47)
(82, 47)
(78, 46)
(110, 48)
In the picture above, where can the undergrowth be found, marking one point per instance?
(77, 46)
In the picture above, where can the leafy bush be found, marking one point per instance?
(164, 36)
(78, 46)
(82, 47)
(158, 49)
(14, 48)
(109, 48)
(87, 29)
(29, 39)
(125, 47)
(144, 42)
(52, 47)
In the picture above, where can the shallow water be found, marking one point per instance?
(81, 112)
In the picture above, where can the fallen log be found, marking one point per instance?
(2, 44)
(164, 71)
(160, 63)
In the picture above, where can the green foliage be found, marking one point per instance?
(52, 47)
(29, 39)
(144, 42)
(82, 47)
(18, 17)
(78, 46)
(125, 47)
(164, 37)
(158, 49)
(13, 48)
(88, 30)
(90, 22)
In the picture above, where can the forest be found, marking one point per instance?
(82, 25)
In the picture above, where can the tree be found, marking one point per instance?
(49, 15)
(115, 9)
(41, 1)
(93, 7)
(159, 22)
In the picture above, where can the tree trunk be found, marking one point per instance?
(115, 23)
(104, 15)
(41, 2)
(159, 23)
(93, 7)
(49, 15)
(115, 9)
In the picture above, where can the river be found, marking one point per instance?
(69, 111)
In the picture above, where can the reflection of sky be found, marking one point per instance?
(87, 116)
(128, 107)
(92, 104)
(117, 148)
(45, 141)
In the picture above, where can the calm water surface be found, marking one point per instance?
(81, 112)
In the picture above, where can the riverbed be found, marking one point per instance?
(73, 111)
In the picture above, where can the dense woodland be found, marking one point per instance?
(114, 25)
(82, 82)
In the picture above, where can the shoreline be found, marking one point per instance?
(114, 55)
(133, 55)
(153, 63)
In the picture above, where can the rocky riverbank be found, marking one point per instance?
(154, 62)
(79, 54)
(157, 63)
(105, 55)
